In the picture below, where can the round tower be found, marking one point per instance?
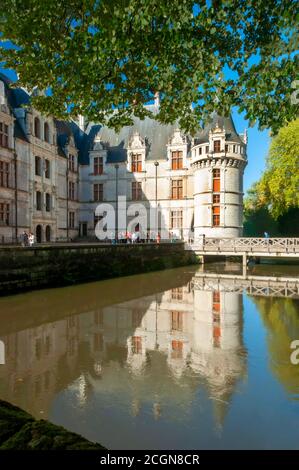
(218, 162)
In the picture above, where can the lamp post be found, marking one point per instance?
(116, 166)
(156, 195)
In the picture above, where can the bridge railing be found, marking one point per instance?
(246, 244)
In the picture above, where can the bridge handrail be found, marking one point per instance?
(244, 244)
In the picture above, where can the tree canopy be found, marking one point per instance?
(96, 56)
(275, 197)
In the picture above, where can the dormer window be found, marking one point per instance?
(98, 165)
(136, 162)
(217, 144)
(177, 160)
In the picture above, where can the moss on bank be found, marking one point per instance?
(20, 431)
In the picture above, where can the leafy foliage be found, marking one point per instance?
(273, 202)
(99, 55)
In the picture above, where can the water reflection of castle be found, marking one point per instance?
(153, 349)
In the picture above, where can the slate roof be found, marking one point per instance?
(223, 122)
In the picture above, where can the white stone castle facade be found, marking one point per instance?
(53, 175)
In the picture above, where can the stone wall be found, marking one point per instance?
(57, 265)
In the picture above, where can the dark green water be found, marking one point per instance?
(157, 361)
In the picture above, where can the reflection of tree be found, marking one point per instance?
(281, 318)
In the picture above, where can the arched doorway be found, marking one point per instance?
(48, 233)
(38, 233)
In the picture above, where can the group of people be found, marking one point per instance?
(137, 237)
(27, 239)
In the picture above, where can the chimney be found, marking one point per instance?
(81, 122)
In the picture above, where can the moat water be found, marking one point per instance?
(166, 360)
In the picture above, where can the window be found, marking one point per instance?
(98, 342)
(177, 349)
(98, 317)
(176, 219)
(177, 293)
(4, 174)
(38, 166)
(37, 128)
(216, 216)
(216, 301)
(71, 219)
(98, 192)
(200, 151)
(216, 180)
(71, 190)
(4, 213)
(136, 162)
(176, 189)
(177, 321)
(136, 345)
(38, 348)
(98, 218)
(217, 146)
(98, 165)
(207, 149)
(3, 135)
(48, 202)
(177, 160)
(72, 165)
(136, 191)
(47, 132)
(226, 148)
(38, 200)
(47, 169)
(216, 198)
(47, 345)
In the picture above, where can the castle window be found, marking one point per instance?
(38, 166)
(216, 216)
(136, 162)
(136, 345)
(71, 219)
(98, 192)
(72, 163)
(136, 191)
(48, 202)
(177, 293)
(3, 135)
(176, 219)
(176, 189)
(98, 165)
(199, 151)
(4, 174)
(177, 349)
(47, 132)
(37, 127)
(216, 198)
(71, 190)
(177, 321)
(38, 200)
(216, 180)
(47, 169)
(4, 213)
(177, 160)
(217, 146)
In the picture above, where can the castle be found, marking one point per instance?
(54, 174)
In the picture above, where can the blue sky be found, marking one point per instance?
(258, 144)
